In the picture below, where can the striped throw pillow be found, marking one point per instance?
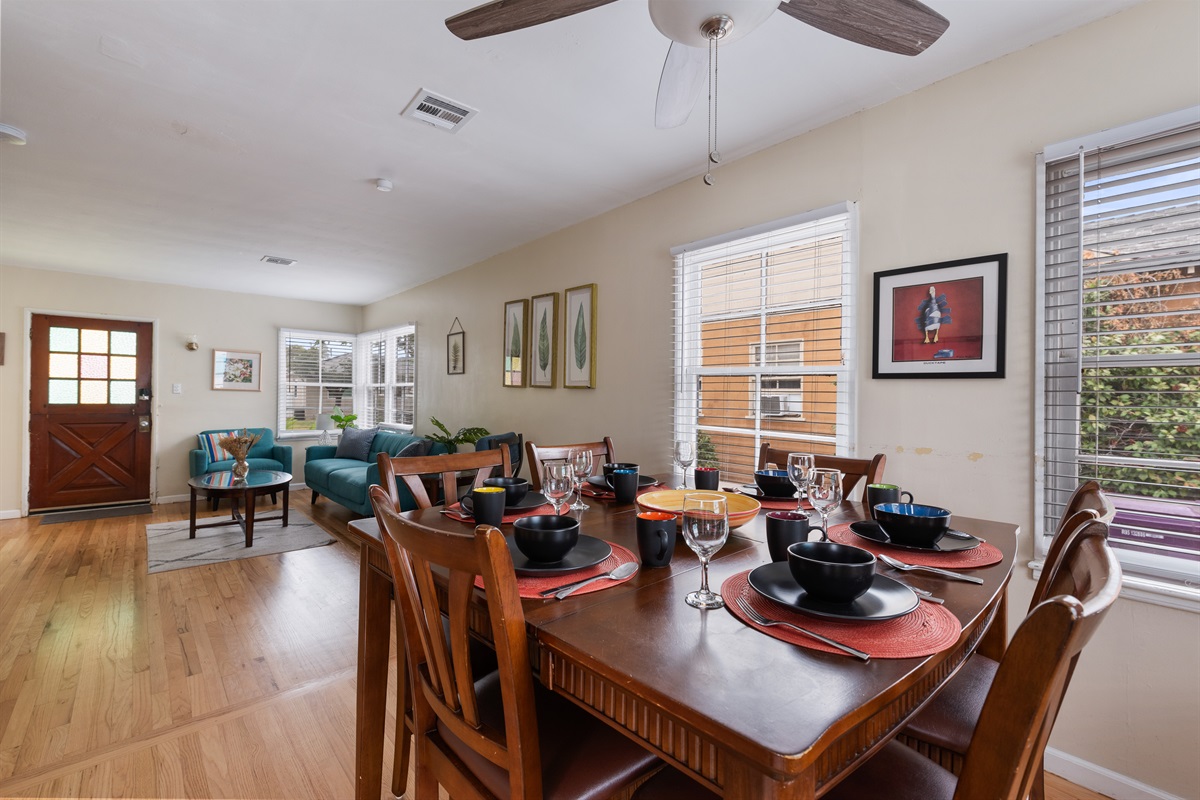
(210, 444)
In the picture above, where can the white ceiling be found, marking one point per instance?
(180, 141)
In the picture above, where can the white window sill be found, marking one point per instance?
(1184, 596)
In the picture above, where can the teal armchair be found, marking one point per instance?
(264, 455)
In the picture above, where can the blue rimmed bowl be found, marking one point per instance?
(913, 524)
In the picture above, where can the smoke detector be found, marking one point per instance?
(440, 112)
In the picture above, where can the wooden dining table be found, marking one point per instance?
(747, 715)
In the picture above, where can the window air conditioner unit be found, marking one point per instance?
(768, 405)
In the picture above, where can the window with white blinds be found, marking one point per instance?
(372, 375)
(764, 340)
(1120, 366)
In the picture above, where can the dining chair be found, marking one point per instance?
(500, 735)
(415, 471)
(942, 729)
(853, 469)
(516, 447)
(1006, 747)
(603, 452)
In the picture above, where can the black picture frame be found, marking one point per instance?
(456, 359)
(942, 320)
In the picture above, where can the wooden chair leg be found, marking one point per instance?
(1038, 790)
(403, 734)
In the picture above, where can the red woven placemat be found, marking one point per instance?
(455, 512)
(531, 587)
(926, 630)
(983, 556)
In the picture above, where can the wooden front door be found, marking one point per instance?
(89, 407)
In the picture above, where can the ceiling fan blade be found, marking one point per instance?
(680, 85)
(502, 16)
(906, 27)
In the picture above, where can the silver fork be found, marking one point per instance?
(761, 620)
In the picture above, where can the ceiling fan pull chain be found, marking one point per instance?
(713, 156)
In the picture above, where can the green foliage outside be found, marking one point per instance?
(706, 452)
(1141, 412)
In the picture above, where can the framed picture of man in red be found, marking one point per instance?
(943, 320)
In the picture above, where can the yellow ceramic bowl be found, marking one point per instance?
(741, 509)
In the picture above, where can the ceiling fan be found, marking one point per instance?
(906, 27)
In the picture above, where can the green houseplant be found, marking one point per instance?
(453, 440)
(343, 421)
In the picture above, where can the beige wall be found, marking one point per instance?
(943, 173)
(221, 319)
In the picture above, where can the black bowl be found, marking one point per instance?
(912, 524)
(774, 483)
(832, 572)
(546, 538)
(608, 468)
(515, 489)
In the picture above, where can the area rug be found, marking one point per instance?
(168, 546)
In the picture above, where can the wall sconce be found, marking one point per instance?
(192, 342)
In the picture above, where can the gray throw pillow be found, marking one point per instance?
(356, 443)
(420, 447)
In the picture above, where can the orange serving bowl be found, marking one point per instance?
(741, 509)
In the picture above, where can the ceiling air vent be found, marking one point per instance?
(440, 112)
(283, 262)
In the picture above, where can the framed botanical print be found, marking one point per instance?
(514, 343)
(456, 353)
(237, 370)
(944, 320)
(579, 364)
(543, 342)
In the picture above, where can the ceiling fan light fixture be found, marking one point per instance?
(11, 135)
(686, 22)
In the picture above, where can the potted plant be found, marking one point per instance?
(453, 440)
(343, 421)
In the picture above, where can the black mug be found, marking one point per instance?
(784, 529)
(884, 493)
(707, 478)
(608, 469)
(624, 483)
(487, 505)
(656, 538)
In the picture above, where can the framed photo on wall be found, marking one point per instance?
(456, 353)
(515, 344)
(543, 343)
(237, 370)
(579, 363)
(944, 320)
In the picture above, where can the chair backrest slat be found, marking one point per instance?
(410, 471)
(1088, 502)
(1026, 694)
(421, 559)
(603, 452)
(853, 469)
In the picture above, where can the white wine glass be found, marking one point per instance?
(683, 455)
(705, 529)
(800, 467)
(558, 481)
(825, 493)
(581, 469)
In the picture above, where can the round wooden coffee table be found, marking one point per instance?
(223, 484)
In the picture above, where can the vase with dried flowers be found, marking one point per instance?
(238, 445)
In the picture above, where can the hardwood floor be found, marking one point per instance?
(234, 680)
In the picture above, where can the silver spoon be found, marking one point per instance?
(620, 573)
(945, 573)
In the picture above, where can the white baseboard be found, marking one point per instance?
(10, 513)
(184, 498)
(1099, 779)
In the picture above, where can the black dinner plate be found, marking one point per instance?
(886, 599)
(588, 552)
(598, 482)
(531, 500)
(752, 490)
(947, 544)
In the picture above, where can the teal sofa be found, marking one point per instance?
(345, 480)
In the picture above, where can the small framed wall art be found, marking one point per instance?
(543, 321)
(515, 344)
(943, 320)
(579, 365)
(456, 349)
(237, 370)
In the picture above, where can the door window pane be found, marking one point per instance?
(94, 341)
(64, 392)
(64, 340)
(123, 368)
(93, 366)
(122, 392)
(93, 391)
(124, 343)
(63, 365)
